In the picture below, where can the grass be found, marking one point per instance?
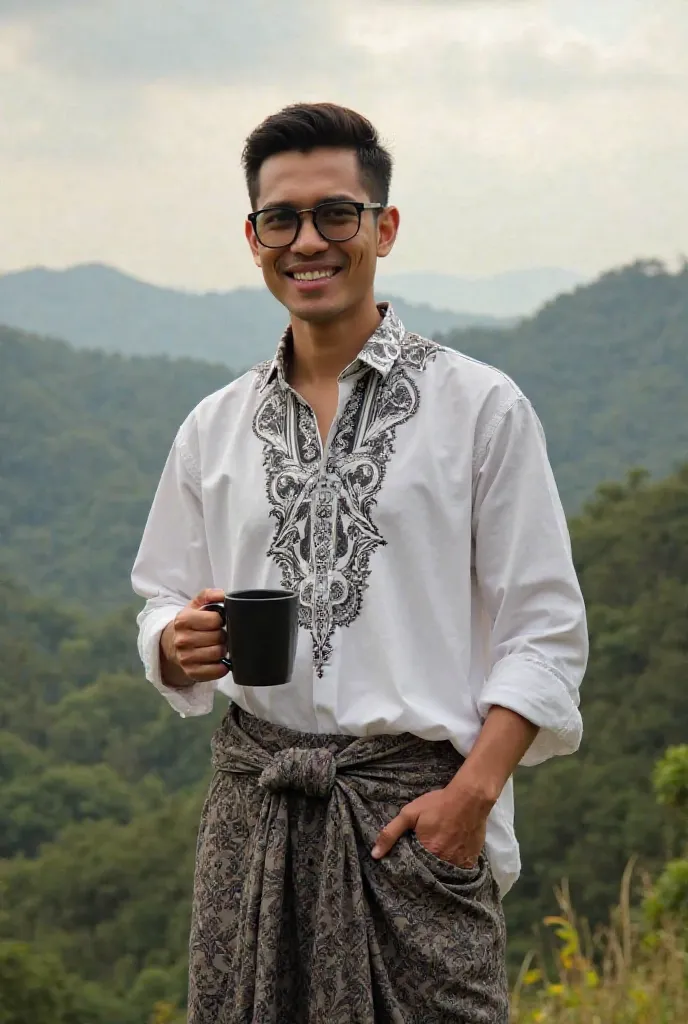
(624, 974)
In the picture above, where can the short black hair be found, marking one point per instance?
(303, 127)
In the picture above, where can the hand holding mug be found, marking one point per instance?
(193, 645)
(261, 629)
(252, 633)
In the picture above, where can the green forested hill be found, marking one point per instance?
(97, 306)
(101, 784)
(100, 791)
(83, 434)
(583, 817)
(607, 370)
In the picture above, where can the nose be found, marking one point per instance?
(308, 241)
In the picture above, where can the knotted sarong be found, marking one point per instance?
(295, 923)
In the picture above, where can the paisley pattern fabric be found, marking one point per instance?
(380, 351)
(295, 923)
(323, 503)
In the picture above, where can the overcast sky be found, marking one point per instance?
(525, 132)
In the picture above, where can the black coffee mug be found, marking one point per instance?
(262, 629)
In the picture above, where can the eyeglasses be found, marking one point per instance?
(334, 220)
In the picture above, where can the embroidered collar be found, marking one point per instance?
(381, 350)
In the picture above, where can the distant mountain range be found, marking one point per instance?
(85, 433)
(96, 306)
(513, 294)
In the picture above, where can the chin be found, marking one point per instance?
(311, 313)
(316, 310)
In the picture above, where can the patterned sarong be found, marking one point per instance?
(293, 920)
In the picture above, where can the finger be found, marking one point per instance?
(405, 820)
(209, 596)
(200, 621)
(469, 859)
(206, 673)
(465, 854)
(191, 640)
(202, 656)
(469, 863)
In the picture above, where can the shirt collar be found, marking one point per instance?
(380, 352)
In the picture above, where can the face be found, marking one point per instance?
(302, 180)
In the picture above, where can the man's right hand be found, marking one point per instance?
(191, 646)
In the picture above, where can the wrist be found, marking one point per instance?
(482, 788)
(171, 672)
(504, 739)
(167, 647)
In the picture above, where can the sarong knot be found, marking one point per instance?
(311, 771)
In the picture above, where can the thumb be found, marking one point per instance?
(405, 820)
(208, 596)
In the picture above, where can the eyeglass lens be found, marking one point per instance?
(337, 222)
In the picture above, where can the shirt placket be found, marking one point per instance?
(324, 512)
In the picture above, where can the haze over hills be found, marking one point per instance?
(97, 306)
(513, 294)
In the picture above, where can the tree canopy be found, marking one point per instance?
(102, 784)
(84, 434)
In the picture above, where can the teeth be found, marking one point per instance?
(313, 275)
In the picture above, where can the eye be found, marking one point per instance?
(338, 213)
(276, 218)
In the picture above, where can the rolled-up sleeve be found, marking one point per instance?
(171, 567)
(528, 584)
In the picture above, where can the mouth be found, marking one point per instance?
(310, 280)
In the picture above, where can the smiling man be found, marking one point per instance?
(357, 837)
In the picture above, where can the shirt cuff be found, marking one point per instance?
(188, 702)
(533, 690)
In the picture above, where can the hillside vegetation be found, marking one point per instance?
(83, 434)
(607, 370)
(96, 306)
(101, 784)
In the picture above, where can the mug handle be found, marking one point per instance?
(218, 606)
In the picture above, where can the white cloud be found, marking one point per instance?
(524, 132)
(188, 40)
(27, 10)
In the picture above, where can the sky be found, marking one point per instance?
(524, 132)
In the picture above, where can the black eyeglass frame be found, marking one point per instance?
(313, 210)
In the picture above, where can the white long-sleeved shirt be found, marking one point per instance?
(426, 539)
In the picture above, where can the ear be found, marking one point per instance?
(253, 242)
(387, 229)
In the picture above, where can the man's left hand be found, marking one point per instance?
(449, 822)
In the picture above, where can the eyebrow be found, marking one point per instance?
(286, 204)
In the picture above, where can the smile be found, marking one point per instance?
(313, 275)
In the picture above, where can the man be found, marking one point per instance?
(358, 832)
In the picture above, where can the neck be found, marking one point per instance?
(322, 350)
